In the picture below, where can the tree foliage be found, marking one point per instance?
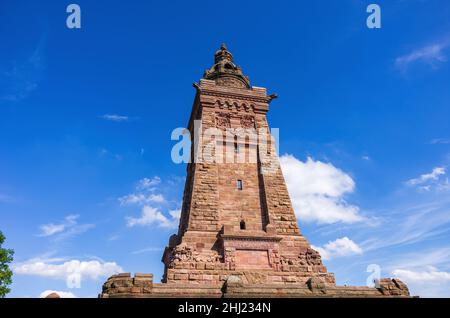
(6, 257)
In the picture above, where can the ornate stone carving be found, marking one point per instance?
(185, 254)
(230, 258)
(223, 120)
(230, 82)
(247, 121)
(181, 253)
(233, 105)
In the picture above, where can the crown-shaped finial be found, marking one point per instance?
(224, 71)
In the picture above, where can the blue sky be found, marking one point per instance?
(86, 117)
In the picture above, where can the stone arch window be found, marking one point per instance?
(236, 145)
(242, 225)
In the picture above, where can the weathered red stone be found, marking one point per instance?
(238, 233)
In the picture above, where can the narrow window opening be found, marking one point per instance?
(242, 225)
(239, 184)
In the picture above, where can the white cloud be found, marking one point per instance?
(317, 191)
(148, 184)
(140, 198)
(144, 193)
(426, 272)
(427, 283)
(431, 276)
(338, 248)
(92, 269)
(430, 181)
(176, 214)
(114, 117)
(433, 175)
(50, 229)
(431, 54)
(152, 216)
(62, 294)
(67, 228)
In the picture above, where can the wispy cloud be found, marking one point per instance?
(432, 180)
(435, 257)
(427, 273)
(69, 227)
(433, 175)
(148, 183)
(105, 153)
(115, 117)
(432, 55)
(140, 198)
(408, 225)
(147, 250)
(21, 79)
(438, 141)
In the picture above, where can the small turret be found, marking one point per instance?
(225, 72)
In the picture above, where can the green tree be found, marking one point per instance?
(6, 257)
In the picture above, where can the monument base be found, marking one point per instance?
(142, 286)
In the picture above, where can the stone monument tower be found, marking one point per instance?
(238, 234)
(237, 218)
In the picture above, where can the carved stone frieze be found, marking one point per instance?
(247, 121)
(223, 120)
(184, 254)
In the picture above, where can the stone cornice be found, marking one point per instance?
(242, 237)
(236, 95)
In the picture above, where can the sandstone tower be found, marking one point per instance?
(238, 234)
(237, 218)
